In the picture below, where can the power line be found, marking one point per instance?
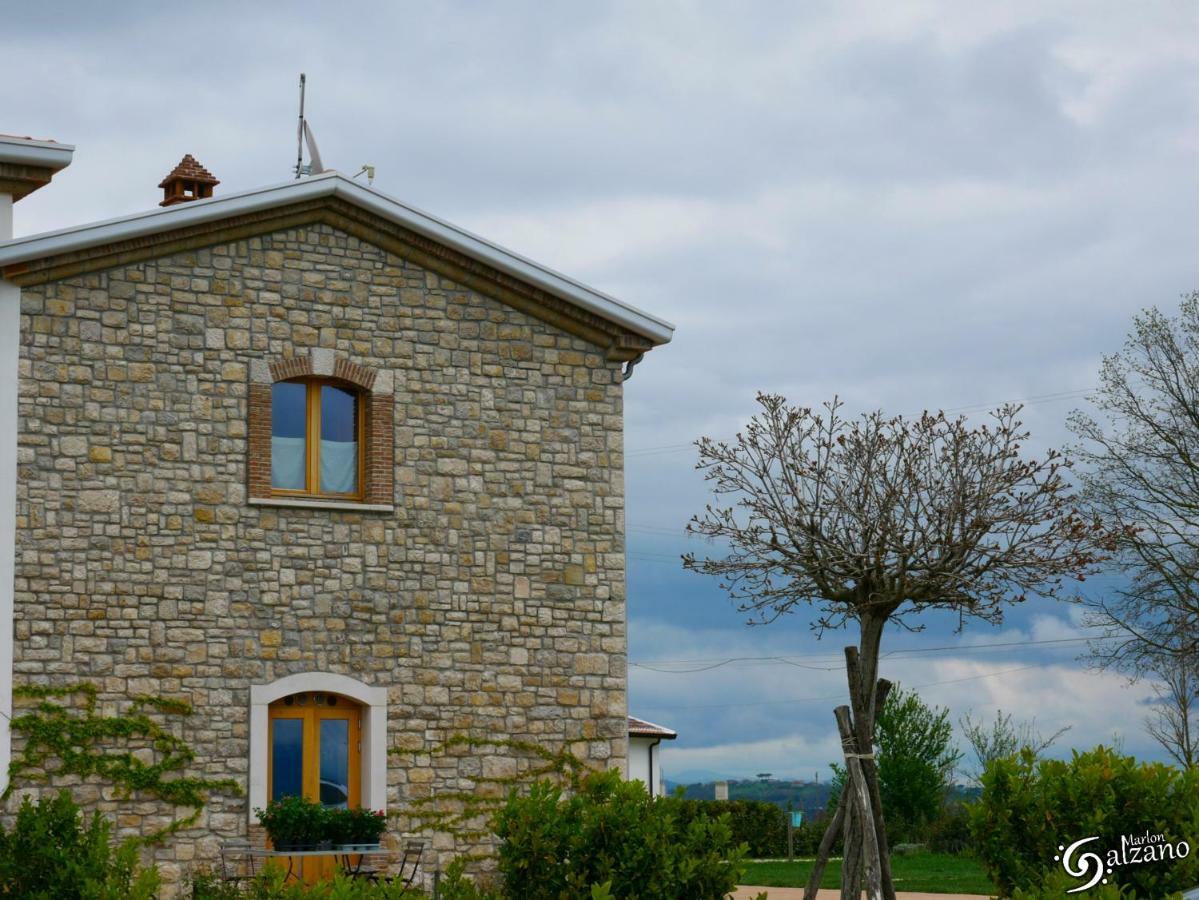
(710, 663)
(834, 696)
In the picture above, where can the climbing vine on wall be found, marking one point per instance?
(65, 735)
(468, 814)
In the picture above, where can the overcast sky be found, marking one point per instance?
(913, 205)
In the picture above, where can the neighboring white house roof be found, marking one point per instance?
(334, 184)
(642, 728)
(26, 151)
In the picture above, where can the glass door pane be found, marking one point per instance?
(287, 758)
(335, 762)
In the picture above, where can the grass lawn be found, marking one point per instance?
(932, 872)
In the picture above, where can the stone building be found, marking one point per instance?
(343, 476)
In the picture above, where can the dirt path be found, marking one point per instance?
(745, 892)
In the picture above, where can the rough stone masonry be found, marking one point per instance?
(489, 600)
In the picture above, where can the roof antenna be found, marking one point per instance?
(304, 136)
(300, 131)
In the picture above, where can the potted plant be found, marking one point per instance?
(293, 823)
(365, 826)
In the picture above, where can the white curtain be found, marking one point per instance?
(287, 463)
(339, 467)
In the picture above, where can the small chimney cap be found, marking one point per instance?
(189, 169)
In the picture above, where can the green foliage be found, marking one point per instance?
(1029, 808)
(950, 831)
(611, 831)
(294, 822)
(761, 827)
(270, 885)
(456, 885)
(916, 760)
(64, 735)
(51, 854)
(468, 815)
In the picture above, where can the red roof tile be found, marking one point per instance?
(642, 728)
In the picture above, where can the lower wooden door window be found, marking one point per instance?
(316, 753)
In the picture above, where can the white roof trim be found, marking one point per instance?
(334, 184)
(28, 152)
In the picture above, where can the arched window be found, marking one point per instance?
(329, 743)
(320, 433)
(317, 437)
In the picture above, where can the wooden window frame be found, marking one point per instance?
(312, 439)
(311, 714)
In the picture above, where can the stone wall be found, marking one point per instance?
(490, 601)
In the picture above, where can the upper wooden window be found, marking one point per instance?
(317, 439)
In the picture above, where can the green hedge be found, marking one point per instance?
(612, 833)
(1030, 809)
(761, 826)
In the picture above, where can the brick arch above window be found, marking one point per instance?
(376, 388)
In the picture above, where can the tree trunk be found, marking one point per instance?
(861, 670)
(867, 694)
(866, 706)
(855, 784)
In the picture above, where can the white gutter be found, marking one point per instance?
(27, 152)
(334, 184)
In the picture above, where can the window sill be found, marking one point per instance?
(346, 505)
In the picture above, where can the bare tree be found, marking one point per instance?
(873, 520)
(1143, 456)
(1003, 738)
(1174, 722)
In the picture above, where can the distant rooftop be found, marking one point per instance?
(642, 728)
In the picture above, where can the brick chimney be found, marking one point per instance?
(188, 181)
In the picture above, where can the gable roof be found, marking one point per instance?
(334, 185)
(642, 728)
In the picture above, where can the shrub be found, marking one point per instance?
(761, 826)
(950, 831)
(612, 832)
(1029, 809)
(51, 854)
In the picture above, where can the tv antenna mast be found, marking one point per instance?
(304, 136)
(300, 130)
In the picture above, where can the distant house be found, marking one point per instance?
(644, 765)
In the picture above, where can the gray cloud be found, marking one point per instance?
(910, 205)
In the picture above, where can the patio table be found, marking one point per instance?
(342, 852)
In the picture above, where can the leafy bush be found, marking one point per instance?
(51, 854)
(950, 831)
(761, 826)
(612, 832)
(1029, 809)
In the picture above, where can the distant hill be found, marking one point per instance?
(807, 796)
